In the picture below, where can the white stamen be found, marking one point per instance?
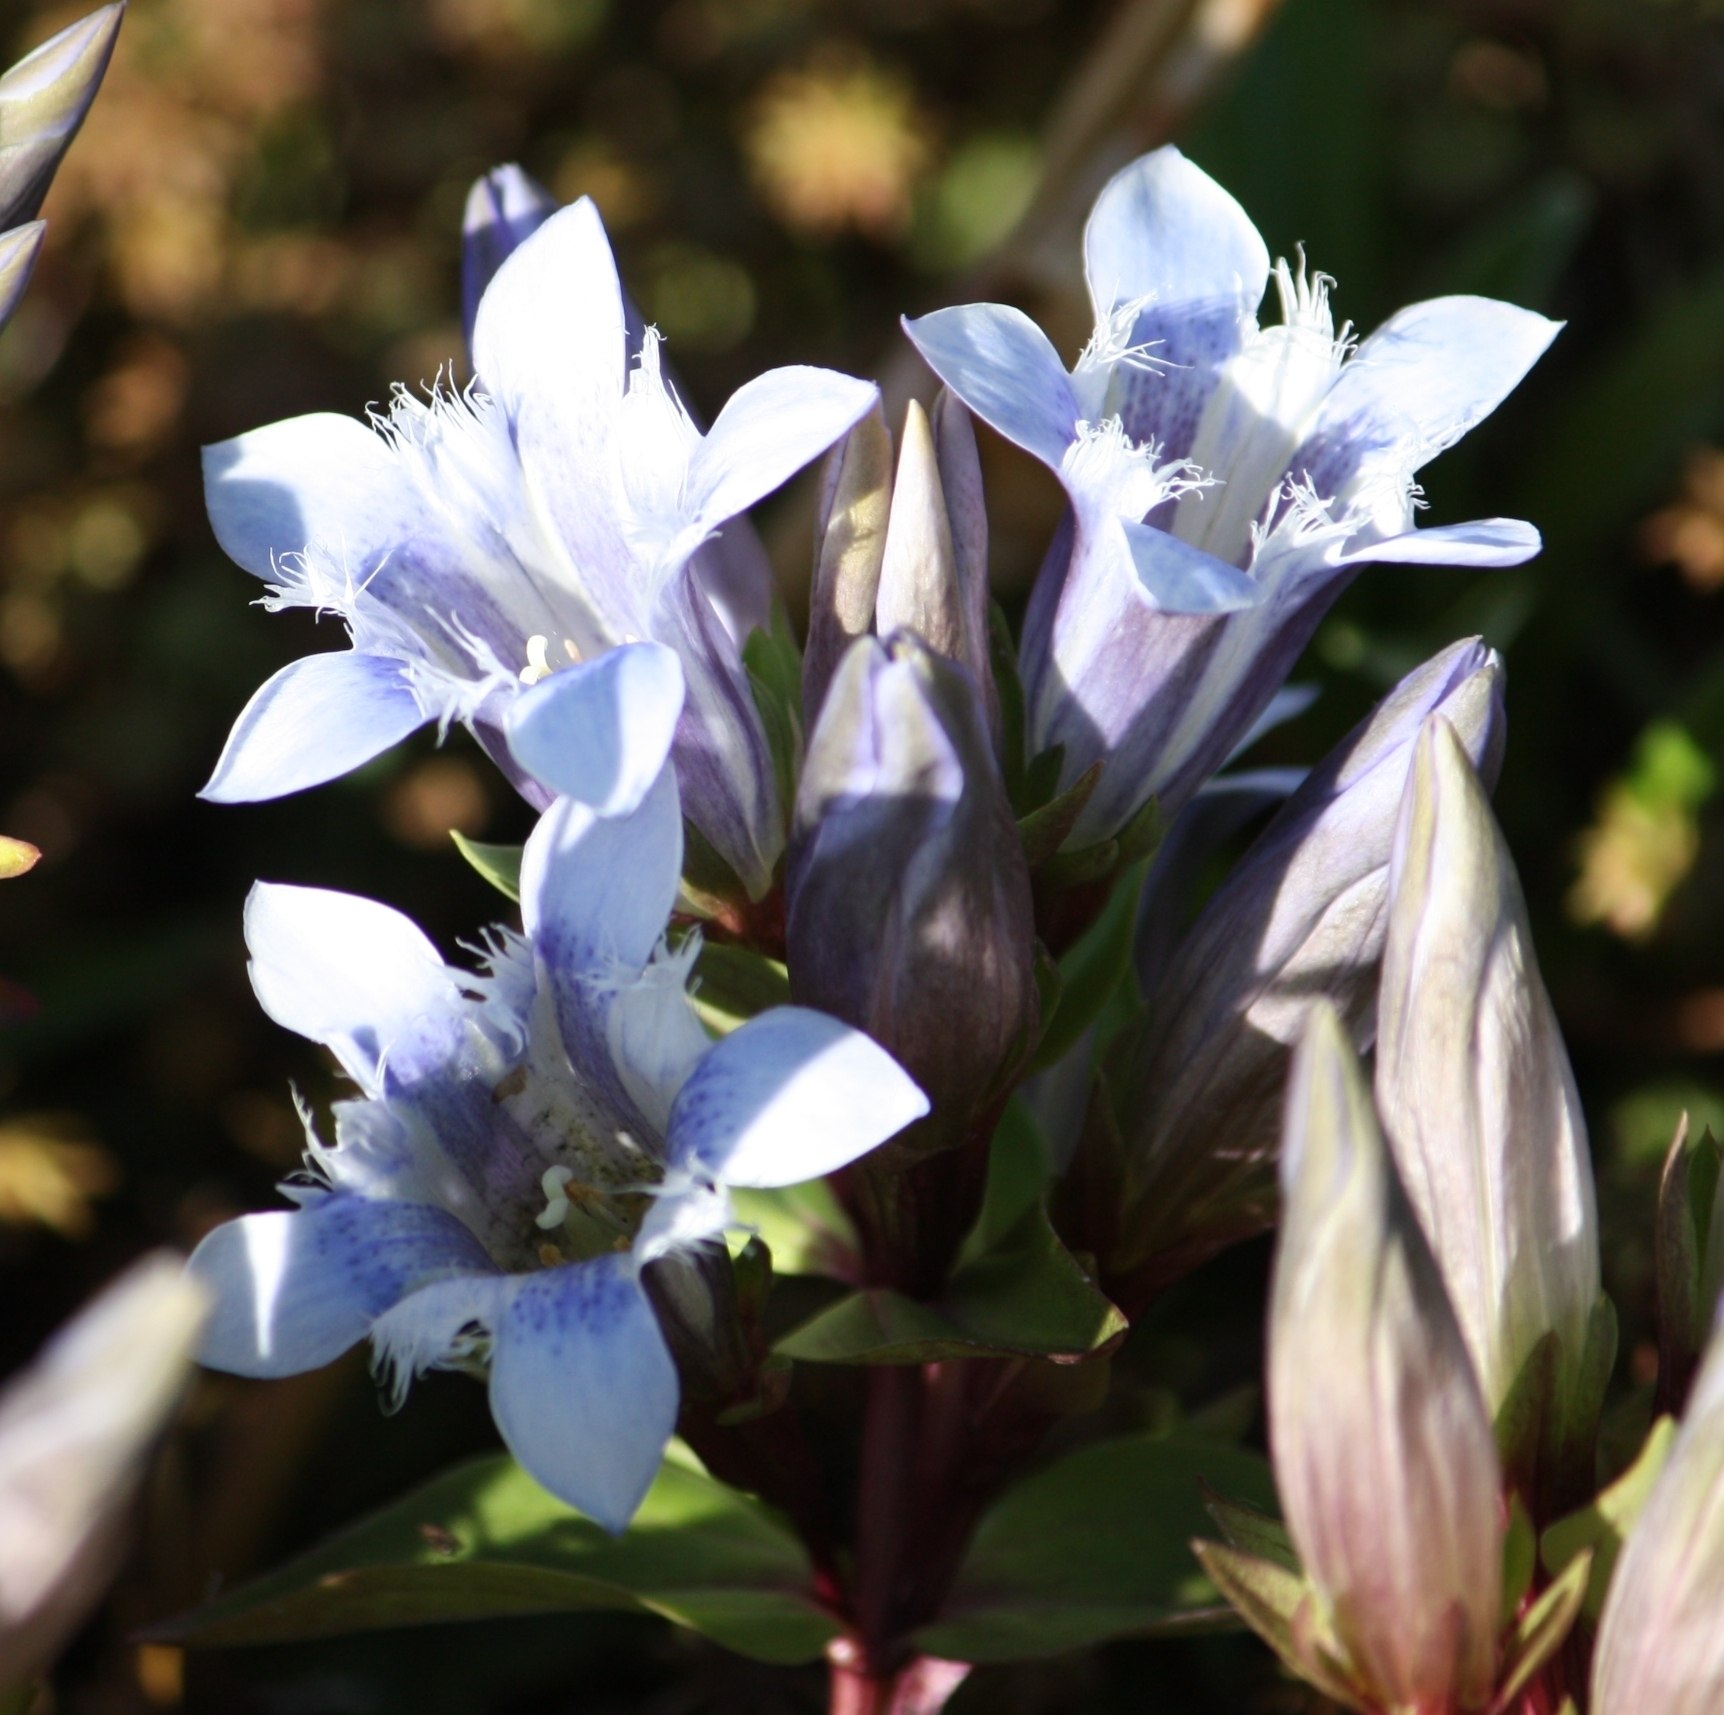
(554, 1182)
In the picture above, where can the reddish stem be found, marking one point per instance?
(921, 1687)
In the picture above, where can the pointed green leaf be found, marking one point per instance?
(1044, 831)
(484, 1540)
(500, 865)
(1599, 1529)
(1026, 1296)
(1093, 970)
(774, 666)
(1009, 686)
(1259, 1534)
(1542, 1628)
(732, 984)
(1095, 1546)
(1520, 1558)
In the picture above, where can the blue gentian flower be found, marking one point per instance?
(1225, 480)
(525, 1141)
(518, 555)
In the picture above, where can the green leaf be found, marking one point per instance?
(804, 1226)
(774, 666)
(1520, 1558)
(1599, 1529)
(1009, 687)
(1041, 780)
(1044, 831)
(1095, 1546)
(1018, 1169)
(732, 984)
(1093, 969)
(1542, 1628)
(484, 1540)
(1025, 1296)
(1259, 1534)
(499, 865)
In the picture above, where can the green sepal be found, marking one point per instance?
(774, 665)
(732, 984)
(1281, 1608)
(1520, 1558)
(1025, 1295)
(1009, 689)
(499, 865)
(1252, 1531)
(1080, 868)
(1541, 1629)
(1044, 831)
(1092, 971)
(1599, 1530)
(1094, 1546)
(1687, 1193)
(1041, 781)
(484, 1541)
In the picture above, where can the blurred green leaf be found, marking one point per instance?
(1095, 1546)
(499, 865)
(485, 1540)
(732, 984)
(1093, 969)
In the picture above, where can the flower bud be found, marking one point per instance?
(1301, 917)
(1660, 1644)
(504, 209)
(19, 249)
(43, 100)
(74, 1430)
(1382, 1447)
(909, 898)
(1474, 1085)
(849, 546)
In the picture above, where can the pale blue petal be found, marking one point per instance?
(322, 480)
(318, 718)
(1484, 542)
(504, 208)
(1429, 374)
(1184, 579)
(294, 1289)
(768, 430)
(599, 732)
(349, 973)
(550, 326)
(583, 1387)
(596, 892)
(1001, 365)
(1165, 233)
(790, 1096)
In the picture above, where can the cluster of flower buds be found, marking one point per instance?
(1439, 1345)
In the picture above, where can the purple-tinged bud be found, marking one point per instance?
(75, 1431)
(909, 910)
(1300, 918)
(43, 100)
(504, 209)
(849, 547)
(19, 249)
(1381, 1443)
(1660, 1643)
(1474, 1086)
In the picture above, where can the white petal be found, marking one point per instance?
(790, 1096)
(1484, 542)
(344, 971)
(294, 1289)
(1001, 365)
(550, 326)
(318, 718)
(1163, 230)
(600, 732)
(596, 893)
(768, 430)
(322, 479)
(583, 1387)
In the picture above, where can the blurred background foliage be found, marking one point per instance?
(261, 218)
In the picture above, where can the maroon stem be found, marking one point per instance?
(921, 1687)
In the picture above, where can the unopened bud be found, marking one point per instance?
(19, 249)
(43, 100)
(1474, 1085)
(74, 1432)
(504, 209)
(1300, 918)
(1382, 1447)
(909, 899)
(1660, 1643)
(849, 546)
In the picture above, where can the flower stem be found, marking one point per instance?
(921, 1687)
